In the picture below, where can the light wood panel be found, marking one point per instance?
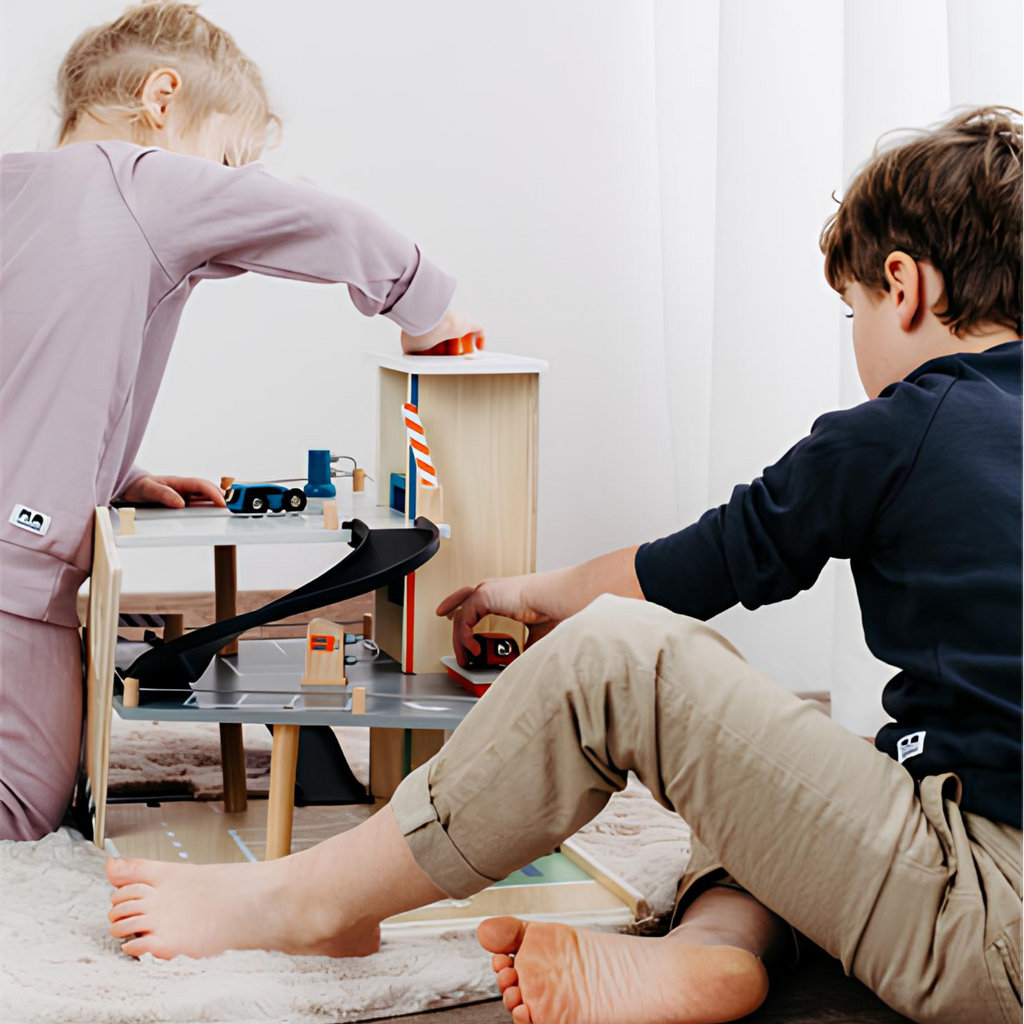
(388, 757)
(482, 433)
(392, 450)
(101, 639)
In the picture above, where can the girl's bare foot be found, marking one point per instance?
(317, 902)
(553, 974)
(168, 909)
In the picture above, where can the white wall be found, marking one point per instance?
(517, 145)
(633, 191)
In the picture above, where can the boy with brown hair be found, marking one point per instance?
(901, 859)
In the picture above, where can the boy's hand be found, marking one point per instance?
(466, 607)
(172, 491)
(452, 325)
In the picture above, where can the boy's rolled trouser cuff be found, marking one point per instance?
(430, 844)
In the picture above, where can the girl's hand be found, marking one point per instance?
(507, 597)
(453, 325)
(172, 491)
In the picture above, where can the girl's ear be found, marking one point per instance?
(904, 278)
(157, 92)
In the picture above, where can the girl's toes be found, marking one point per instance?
(521, 1014)
(121, 871)
(129, 926)
(512, 997)
(130, 908)
(500, 961)
(136, 947)
(507, 977)
(130, 892)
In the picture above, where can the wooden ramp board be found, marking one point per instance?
(552, 888)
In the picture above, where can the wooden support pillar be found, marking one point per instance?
(130, 697)
(284, 759)
(174, 625)
(394, 753)
(225, 582)
(232, 750)
(232, 760)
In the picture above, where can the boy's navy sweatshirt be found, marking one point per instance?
(921, 489)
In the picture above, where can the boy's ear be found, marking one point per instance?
(904, 277)
(157, 92)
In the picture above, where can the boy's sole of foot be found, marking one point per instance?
(554, 974)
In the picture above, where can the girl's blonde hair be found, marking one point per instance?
(103, 73)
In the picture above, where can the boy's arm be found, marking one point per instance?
(540, 600)
(824, 499)
(194, 212)
(821, 500)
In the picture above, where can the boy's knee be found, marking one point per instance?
(616, 620)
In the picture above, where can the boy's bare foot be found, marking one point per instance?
(553, 974)
(316, 902)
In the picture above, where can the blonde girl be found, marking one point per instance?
(151, 188)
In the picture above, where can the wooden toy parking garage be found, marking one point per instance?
(467, 512)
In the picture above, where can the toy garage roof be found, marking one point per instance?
(477, 363)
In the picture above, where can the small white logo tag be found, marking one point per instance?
(909, 746)
(29, 519)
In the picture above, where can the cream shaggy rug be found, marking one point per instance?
(165, 756)
(58, 964)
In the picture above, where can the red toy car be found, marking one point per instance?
(496, 651)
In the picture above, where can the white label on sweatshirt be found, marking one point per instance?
(29, 519)
(909, 746)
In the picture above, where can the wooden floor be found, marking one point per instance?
(816, 992)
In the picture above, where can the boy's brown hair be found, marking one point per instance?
(950, 196)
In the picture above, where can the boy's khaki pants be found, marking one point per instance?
(918, 900)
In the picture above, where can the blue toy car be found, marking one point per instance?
(255, 499)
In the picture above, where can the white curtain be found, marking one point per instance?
(632, 189)
(763, 110)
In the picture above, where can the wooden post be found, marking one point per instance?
(232, 760)
(130, 697)
(394, 753)
(284, 758)
(225, 582)
(174, 625)
(386, 762)
(358, 700)
(125, 521)
(232, 749)
(368, 626)
(330, 514)
(358, 479)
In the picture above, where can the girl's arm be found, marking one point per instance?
(199, 216)
(540, 600)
